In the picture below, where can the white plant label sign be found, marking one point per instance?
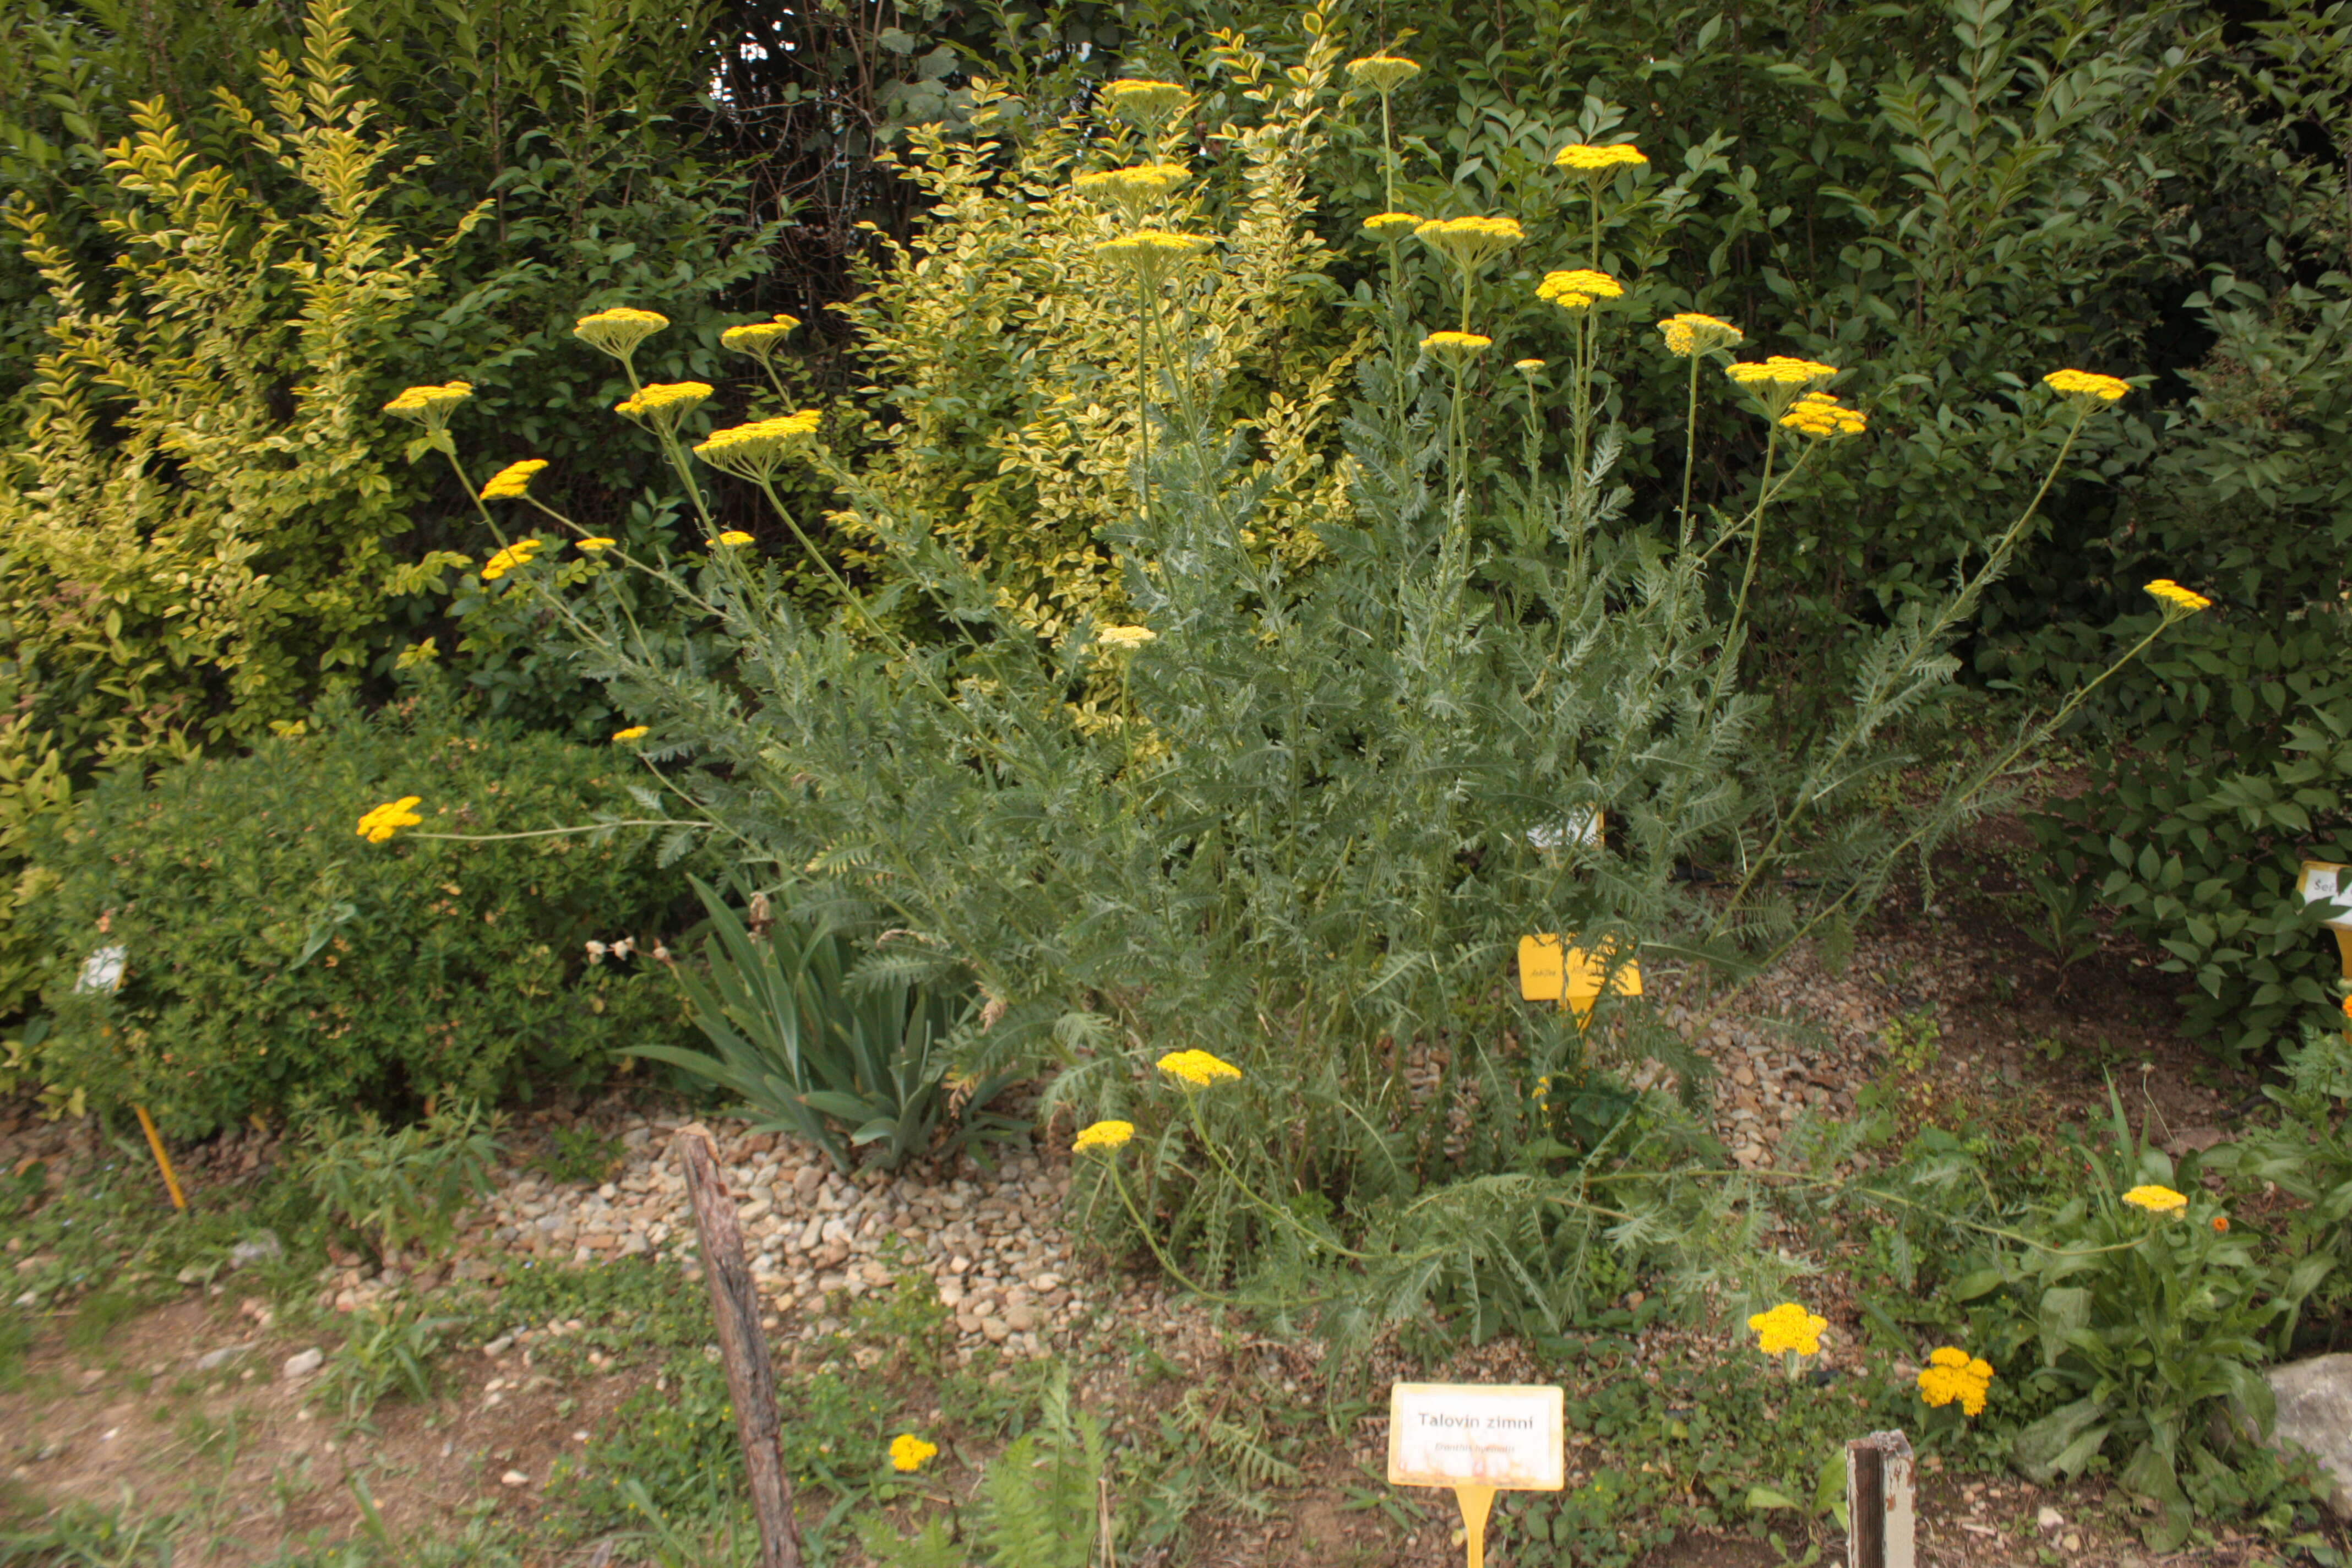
(1477, 1435)
(2324, 884)
(102, 970)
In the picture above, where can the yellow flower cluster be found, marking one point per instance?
(634, 733)
(909, 1453)
(1456, 346)
(1383, 73)
(731, 538)
(1133, 182)
(1820, 415)
(1145, 102)
(2087, 386)
(1780, 371)
(2156, 1199)
(1151, 253)
(1470, 242)
(753, 450)
(1388, 226)
(2172, 593)
(1125, 638)
(1953, 1374)
(429, 405)
(1526, 366)
(1578, 288)
(664, 403)
(1197, 1068)
(519, 553)
(599, 541)
(1789, 1327)
(1587, 160)
(1691, 333)
(389, 818)
(1103, 1135)
(618, 332)
(759, 339)
(513, 481)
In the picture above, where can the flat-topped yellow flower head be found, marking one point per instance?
(1145, 103)
(1383, 73)
(1778, 381)
(1391, 225)
(1691, 333)
(1581, 159)
(1952, 1375)
(430, 405)
(1789, 1327)
(909, 1453)
(519, 553)
(619, 330)
(2180, 601)
(1125, 639)
(1470, 242)
(513, 481)
(756, 450)
(1197, 1069)
(1152, 253)
(1527, 367)
(1103, 1135)
(634, 733)
(600, 541)
(665, 403)
(2085, 387)
(1576, 287)
(389, 818)
(1456, 348)
(759, 339)
(2156, 1199)
(1134, 188)
(729, 539)
(1821, 416)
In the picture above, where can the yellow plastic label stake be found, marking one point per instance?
(1476, 1439)
(1551, 971)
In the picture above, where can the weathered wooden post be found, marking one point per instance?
(750, 1380)
(1879, 1527)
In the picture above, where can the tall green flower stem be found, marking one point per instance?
(1690, 445)
(1755, 533)
(1961, 604)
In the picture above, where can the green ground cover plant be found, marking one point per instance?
(271, 958)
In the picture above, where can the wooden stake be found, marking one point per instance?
(162, 1161)
(1879, 1526)
(751, 1378)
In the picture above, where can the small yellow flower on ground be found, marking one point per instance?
(1103, 1135)
(596, 542)
(1388, 226)
(1692, 333)
(634, 733)
(389, 818)
(2173, 594)
(1383, 73)
(909, 1453)
(2086, 386)
(619, 330)
(1197, 1068)
(2156, 1199)
(1126, 637)
(1951, 1374)
(1789, 1327)
(513, 481)
(519, 553)
(1582, 159)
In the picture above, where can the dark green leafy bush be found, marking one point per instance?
(271, 953)
(2234, 765)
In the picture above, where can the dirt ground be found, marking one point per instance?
(237, 1448)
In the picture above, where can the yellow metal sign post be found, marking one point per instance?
(1476, 1439)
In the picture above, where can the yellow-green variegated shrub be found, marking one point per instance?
(1002, 369)
(193, 524)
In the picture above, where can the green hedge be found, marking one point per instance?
(273, 956)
